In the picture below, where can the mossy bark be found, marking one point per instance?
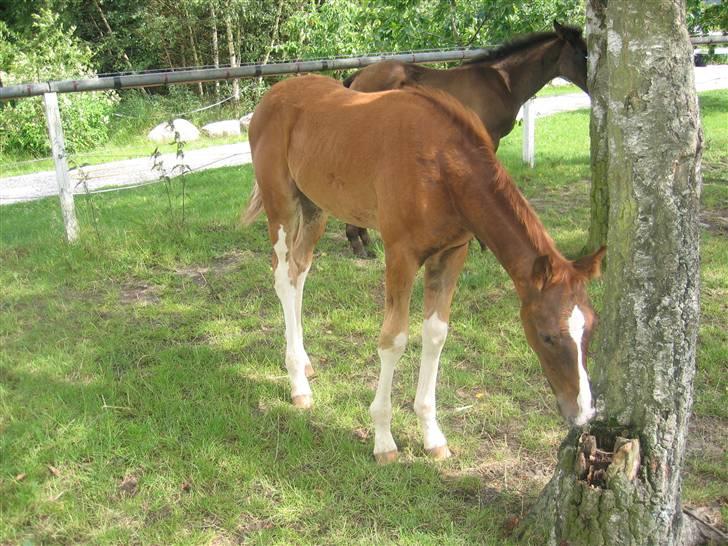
(645, 358)
(597, 78)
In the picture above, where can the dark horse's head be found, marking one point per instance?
(572, 59)
(558, 320)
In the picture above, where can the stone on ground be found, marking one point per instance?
(164, 132)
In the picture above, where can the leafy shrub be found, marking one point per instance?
(50, 52)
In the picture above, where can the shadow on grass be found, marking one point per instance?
(146, 419)
(212, 445)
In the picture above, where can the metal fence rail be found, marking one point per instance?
(126, 81)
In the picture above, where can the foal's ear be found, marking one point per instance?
(591, 265)
(568, 34)
(542, 272)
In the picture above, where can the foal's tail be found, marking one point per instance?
(255, 206)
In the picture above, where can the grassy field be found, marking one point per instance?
(143, 398)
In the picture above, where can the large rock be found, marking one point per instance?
(245, 120)
(230, 127)
(164, 132)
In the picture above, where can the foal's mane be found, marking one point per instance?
(519, 44)
(471, 127)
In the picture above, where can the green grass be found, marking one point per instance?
(143, 397)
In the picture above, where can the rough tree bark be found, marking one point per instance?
(596, 37)
(618, 481)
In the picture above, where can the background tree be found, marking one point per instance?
(629, 492)
(50, 51)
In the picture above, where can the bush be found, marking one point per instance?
(50, 52)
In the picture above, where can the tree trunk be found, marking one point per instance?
(231, 52)
(273, 38)
(597, 77)
(215, 46)
(613, 490)
(193, 46)
(109, 31)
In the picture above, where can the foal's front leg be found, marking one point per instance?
(400, 273)
(441, 273)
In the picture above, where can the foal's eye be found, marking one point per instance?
(547, 339)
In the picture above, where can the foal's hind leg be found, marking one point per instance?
(441, 273)
(294, 237)
(358, 239)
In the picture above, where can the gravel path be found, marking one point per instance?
(131, 172)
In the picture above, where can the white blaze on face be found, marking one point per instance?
(584, 399)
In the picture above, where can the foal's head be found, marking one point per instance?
(558, 321)
(572, 60)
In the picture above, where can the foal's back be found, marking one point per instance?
(355, 154)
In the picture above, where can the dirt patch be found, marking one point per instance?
(707, 438)
(139, 293)
(563, 199)
(505, 467)
(230, 261)
(715, 220)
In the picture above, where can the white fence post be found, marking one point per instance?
(58, 149)
(529, 132)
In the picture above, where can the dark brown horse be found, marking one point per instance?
(420, 168)
(493, 85)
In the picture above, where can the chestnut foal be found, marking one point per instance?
(420, 168)
(494, 85)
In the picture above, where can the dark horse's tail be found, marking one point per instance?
(348, 81)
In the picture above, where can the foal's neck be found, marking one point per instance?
(529, 70)
(501, 218)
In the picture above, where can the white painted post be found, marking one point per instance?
(529, 132)
(58, 149)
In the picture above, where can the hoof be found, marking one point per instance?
(309, 370)
(439, 453)
(302, 401)
(386, 457)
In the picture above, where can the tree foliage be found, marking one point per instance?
(50, 52)
(108, 36)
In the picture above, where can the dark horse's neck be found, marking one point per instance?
(527, 70)
(501, 219)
